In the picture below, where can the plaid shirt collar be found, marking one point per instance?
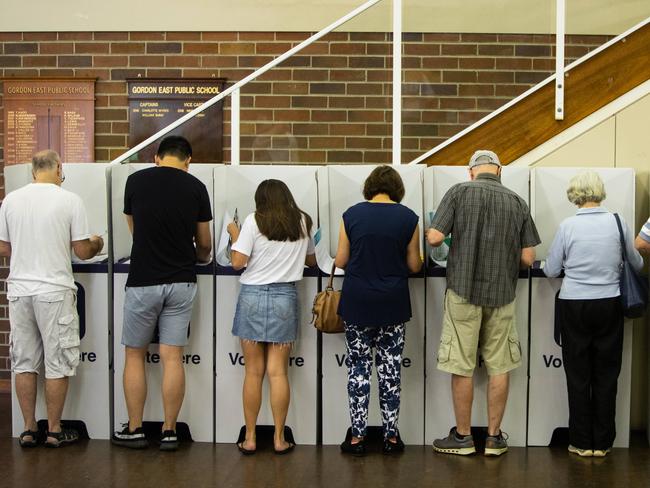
(488, 176)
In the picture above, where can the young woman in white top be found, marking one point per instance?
(274, 245)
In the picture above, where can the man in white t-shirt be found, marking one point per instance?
(39, 224)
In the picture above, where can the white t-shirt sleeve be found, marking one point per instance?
(311, 248)
(79, 223)
(246, 237)
(4, 228)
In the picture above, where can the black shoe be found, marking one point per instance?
(63, 438)
(358, 449)
(131, 439)
(168, 441)
(393, 447)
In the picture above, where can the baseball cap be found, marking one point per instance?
(484, 157)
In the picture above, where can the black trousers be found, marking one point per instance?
(592, 348)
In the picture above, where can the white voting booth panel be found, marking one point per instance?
(197, 409)
(548, 404)
(234, 190)
(340, 187)
(439, 404)
(88, 393)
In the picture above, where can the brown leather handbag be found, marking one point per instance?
(324, 311)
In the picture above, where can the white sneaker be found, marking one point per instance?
(581, 452)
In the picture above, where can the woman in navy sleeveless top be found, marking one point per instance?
(378, 247)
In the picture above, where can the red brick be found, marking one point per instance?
(10, 61)
(12, 36)
(256, 36)
(264, 101)
(123, 74)
(91, 48)
(440, 63)
(477, 63)
(450, 130)
(441, 37)
(379, 75)
(348, 48)
(75, 61)
(346, 75)
(110, 140)
(119, 100)
(377, 157)
(363, 143)
(164, 47)
(329, 62)
(111, 36)
(254, 61)
(110, 87)
(439, 89)
(56, 48)
(511, 91)
(219, 36)
(344, 156)
(110, 61)
(103, 74)
(465, 90)
(271, 155)
(531, 77)
(346, 102)
(428, 49)
(367, 62)
(289, 141)
(237, 48)
(365, 89)
(471, 117)
(326, 142)
(532, 50)
(329, 116)
(495, 77)
(514, 63)
(272, 47)
(302, 156)
(470, 37)
(183, 36)
(421, 76)
(102, 127)
(71, 36)
(368, 36)
(457, 103)
(291, 88)
(381, 49)
(164, 73)
(219, 61)
(327, 88)
(379, 102)
(147, 36)
(21, 48)
(440, 116)
(292, 115)
(496, 50)
(310, 129)
(460, 76)
(276, 75)
(111, 114)
(36, 61)
(201, 73)
(201, 48)
(458, 49)
(182, 61)
(127, 47)
(365, 116)
(50, 72)
(544, 64)
(516, 38)
(255, 87)
(317, 48)
(308, 102)
(296, 62)
(311, 74)
(576, 51)
(489, 103)
(348, 129)
(145, 61)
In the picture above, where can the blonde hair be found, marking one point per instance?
(586, 186)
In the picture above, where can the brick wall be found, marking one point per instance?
(329, 104)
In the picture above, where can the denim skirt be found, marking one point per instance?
(267, 313)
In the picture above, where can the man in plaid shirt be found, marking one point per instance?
(642, 242)
(493, 236)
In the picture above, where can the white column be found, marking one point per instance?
(397, 82)
(559, 58)
(234, 128)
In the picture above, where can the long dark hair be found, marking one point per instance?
(277, 215)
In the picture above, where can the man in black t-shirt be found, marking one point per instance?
(169, 213)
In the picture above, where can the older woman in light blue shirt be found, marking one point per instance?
(587, 246)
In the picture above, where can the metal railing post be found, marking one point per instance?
(234, 128)
(397, 82)
(560, 24)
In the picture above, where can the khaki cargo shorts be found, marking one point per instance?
(46, 327)
(467, 327)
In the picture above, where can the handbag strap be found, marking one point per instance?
(330, 283)
(620, 234)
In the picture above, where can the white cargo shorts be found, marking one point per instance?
(46, 327)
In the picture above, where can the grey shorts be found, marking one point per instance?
(167, 306)
(46, 327)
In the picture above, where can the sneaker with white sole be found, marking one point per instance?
(455, 443)
(132, 439)
(580, 452)
(168, 441)
(495, 445)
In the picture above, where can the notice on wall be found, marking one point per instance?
(56, 114)
(155, 103)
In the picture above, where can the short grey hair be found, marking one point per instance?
(586, 186)
(46, 160)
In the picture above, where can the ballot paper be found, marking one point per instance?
(439, 254)
(222, 256)
(323, 258)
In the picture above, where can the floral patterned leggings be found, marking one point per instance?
(388, 342)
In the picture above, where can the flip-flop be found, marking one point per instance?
(287, 450)
(28, 433)
(244, 451)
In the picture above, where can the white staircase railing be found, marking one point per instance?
(234, 90)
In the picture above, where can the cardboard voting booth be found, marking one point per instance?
(548, 404)
(340, 187)
(234, 193)
(87, 400)
(439, 405)
(197, 409)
